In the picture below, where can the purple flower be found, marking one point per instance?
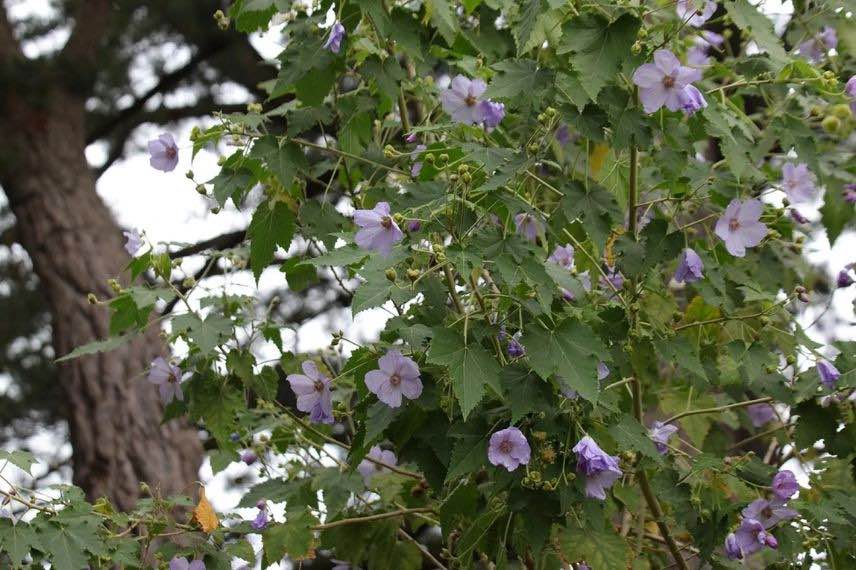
(563, 256)
(249, 456)
(732, 547)
(182, 564)
(612, 276)
(660, 434)
(797, 217)
(563, 135)
(661, 83)
(378, 231)
(699, 54)
(567, 391)
(334, 40)
(163, 153)
(313, 393)
(739, 227)
(492, 114)
(262, 519)
(749, 538)
(844, 279)
(397, 376)
(528, 226)
(601, 470)
(850, 89)
(849, 191)
(369, 469)
(768, 513)
(829, 374)
(785, 484)
(691, 100)
(816, 48)
(602, 370)
(508, 447)
(461, 100)
(414, 225)
(514, 348)
(411, 138)
(133, 242)
(690, 13)
(798, 183)
(416, 167)
(690, 267)
(760, 414)
(167, 376)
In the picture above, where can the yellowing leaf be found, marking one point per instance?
(204, 513)
(597, 157)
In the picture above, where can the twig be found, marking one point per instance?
(717, 409)
(370, 518)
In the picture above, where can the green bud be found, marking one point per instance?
(390, 274)
(389, 151)
(790, 359)
(842, 111)
(114, 285)
(444, 158)
(188, 282)
(533, 147)
(462, 169)
(399, 219)
(200, 189)
(430, 158)
(215, 210)
(92, 298)
(466, 177)
(254, 107)
(437, 248)
(413, 274)
(830, 123)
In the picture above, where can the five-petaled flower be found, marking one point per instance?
(563, 256)
(182, 564)
(133, 241)
(462, 101)
(785, 484)
(601, 470)
(664, 81)
(368, 468)
(167, 377)
(760, 414)
(740, 226)
(334, 40)
(508, 448)
(528, 226)
(660, 434)
(815, 48)
(690, 13)
(798, 182)
(690, 267)
(397, 376)
(313, 393)
(163, 153)
(378, 230)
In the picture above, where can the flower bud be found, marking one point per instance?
(444, 158)
(413, 274)
(437, 248)
(189, 175)
(466, 177)
(200, 189)
(92, 298)
(114, 285)
(254, 107)
(188, 282)
(390, 274)
(830, 123)
(842, 111)
(389, 151)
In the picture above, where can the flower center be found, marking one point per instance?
(395, 379)
(386, 222)
(505, 447)
(767, 512)
(319, 386)
(470, 101)
(734, 225)
(171, 152)
(668, 81)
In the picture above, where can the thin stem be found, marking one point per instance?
(676, 417)
(632, 191)
(425, 552)
(450, 283)
(337, 152)
(370, 518)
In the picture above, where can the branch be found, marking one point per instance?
(376, 517)
(219, 243)
(9, 48)
(676, 417)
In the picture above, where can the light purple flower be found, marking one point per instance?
(563, 135)
(797, 217)
(785, 484)
(798, 182)
(602, 370)
(815, 49)
(849, 192)
(416, 167)
(749, 538)
(760, 414)
(844, 279)
(739, 227)
(829, 374)
(334, 40)
(133, 241)
(732, 548)
(508, 448)
(567, 391)
(768, 513)
(414, 225)
(262, 519)
(850, 89)
(563, 256)
(691, 100)
(249, 456)
(163, 153)
(368, 469)
(411, 138)
(528, 226)
(690, 13)
(690, 267)
(612, 276)
(312, 389)
(397, 376)
(661, 83)
(514, 348)
(601, 470)
(167, 376)
(461, 100)
(660, 434)
(699, 54)
(378, 231)
(492, 114)
(182, 564)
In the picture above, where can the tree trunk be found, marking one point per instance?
(114, 414)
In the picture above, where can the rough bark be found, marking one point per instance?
(75, 245)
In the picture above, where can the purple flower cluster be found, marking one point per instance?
(760, 516)
(463, 102)
(167, 377)
(668, 83)
(814, 49)
(313, 393)
(378, 230)
(508, 448)
(600, 469)
(397, 377)
(368, 468)
(798, 183)
(334, 40)
(163, 153)
(690, 267)
(740, 226)
(690, 13)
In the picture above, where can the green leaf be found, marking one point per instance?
(524, 392)
(216, 401)
(272, 225)
(294, 538)
(517, 76)
(97, 346)
(17, 540)
(524, 28)
(299, 275)
(571, 351)
(598, 47)
(598, 547)
(284, 161)
(630, 434)
(19, 458)
(340, 257)
(470, 366)
(443, 17)
(205, 334)
(749, 19)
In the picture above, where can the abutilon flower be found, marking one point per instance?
(850, 89)
(699, 54)
(768, 513)
(508, 448)
(262, 519)
(334, 40)
(660, 434)
(312, 389)
(749, 538)
(760, 414)
(368, 469)
(416, 167)
(182, 564)
(167, 376)
(797, 217)
(602, 370)
(844, 279)
(691, 100)
(690, 13)
(492, 114)
(163, 153)
(133, 241)
(785, 484)
(612, 276)
(414, 225)
(798, 182)
(663, 82)
(563, 135)
(690, 267)
(849, 192)
(829, 374)
(528, 226)
(601, 470)
(514, 348)
(740, 226)
(815, 49)
(563, 256)
(397, 376)
(249, 456)
(462, 102)
(378, 231)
